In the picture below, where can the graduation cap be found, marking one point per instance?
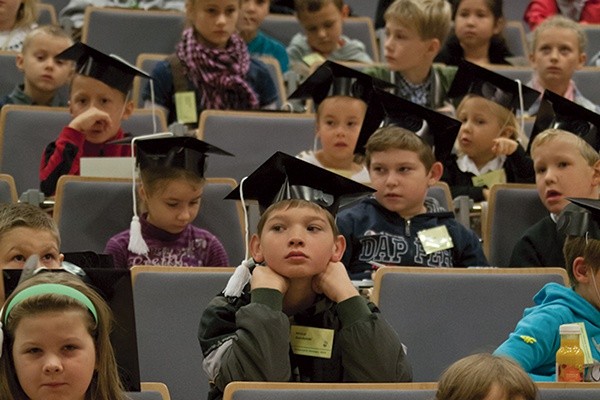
(185, 152)
(284, 177)
(557, 112)
(580, 218)
(436, 129)
(473, 79)
(332, 79)
(109, 69)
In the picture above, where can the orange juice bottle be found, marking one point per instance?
(569, 357)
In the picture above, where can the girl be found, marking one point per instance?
(17, 18)
(488, 140)
(212, 62)
(477, 36)
(56, 342)
(172, 180)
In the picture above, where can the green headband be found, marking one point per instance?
(50, 288)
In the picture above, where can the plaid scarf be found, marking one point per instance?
(219, 74)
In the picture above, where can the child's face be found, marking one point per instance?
(8, 13)
(478, 130)
(297, 242)
(214, 20)
(252, 14)
(475, 24)
(18, 244)
(174, 206)
(556, 56)
(89, 94)
(54, 355)
(401, 181)
(338, 126)
(561, 172)
(404, 48)
(43, 73)
(323, 28)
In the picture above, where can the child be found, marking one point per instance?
(565, 166)
(26, 230)
(43, 74)
(477, 36)
(557, 51)
(172, 175)
(299, 289)
(485, 377)
(56, 330)
(252, 14)
(414, 33)
(398, 224)
(211, 68)
(98, 102)
(17, 18)
(535, 340)
(580, 11)
(489, 151)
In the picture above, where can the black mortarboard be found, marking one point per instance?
(473, 79)
(580, 218)
(284, 177)
(332, 79)
(557, 112)
(109, 69)
(436, 129)
(184, 152)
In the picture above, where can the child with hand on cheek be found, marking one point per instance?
(299, 289)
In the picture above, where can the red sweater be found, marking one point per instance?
(539, 10)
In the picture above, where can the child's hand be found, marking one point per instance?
(504, 146)
(265, 277)
(90, 120)
(334, 283)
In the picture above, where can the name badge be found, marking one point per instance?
(312, 342)
(313, 58)
(490, 179)
(435, 239)
(185, 107)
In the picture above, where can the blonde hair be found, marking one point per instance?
(53, 31)
(395, 137)
(295, 203)
(507, 119)
(559, 21)
(472, 377)
(589, 154)
(105, 383)
(432, 19)
(23, 215)
(27, 14)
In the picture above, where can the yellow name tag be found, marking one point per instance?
(313, 58)
(435, 239)
(490, 179)
(313, 342)
(185, 106)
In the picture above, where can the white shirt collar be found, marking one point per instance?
(465, 164)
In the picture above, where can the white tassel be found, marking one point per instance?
(1, 337)
(241, 276)
(137, 244)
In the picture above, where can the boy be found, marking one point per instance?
(44, 74)
(26, 230)
(322, 22)
(400, 225)
(99, 101)
(415, 31)
(299, 290)
(557, 51)
(535, 340)
(565, 165)
(252, 14)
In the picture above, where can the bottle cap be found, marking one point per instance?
(570, 329)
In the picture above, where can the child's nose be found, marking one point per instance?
(52, 365)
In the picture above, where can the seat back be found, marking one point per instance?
(329, 391)
(592, 31)
(568, 391)
(173, 356)
(46, 14)
(586, 80)
(253, 137)
(277, 76)
(512, 209)
(441, 192)
(110, 208)
(463, 310)
(145, 62)
(10, 75)
(106, 28)
(514, 33)
(144, 395)
(8, 190)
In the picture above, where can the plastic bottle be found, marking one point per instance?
(569, 357)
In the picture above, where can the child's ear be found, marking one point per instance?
(499, 26)
(596, 175)
(582, 59)
(435, 173)
(19, 62)
(339, 246)
(581, 270)
(434, 47)
(128, 110)
(256, 249)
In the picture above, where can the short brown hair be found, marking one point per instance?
(23, 215)
(432, 19)
(315, 5)
(579, 246)
(395, 137)
(295, 203)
